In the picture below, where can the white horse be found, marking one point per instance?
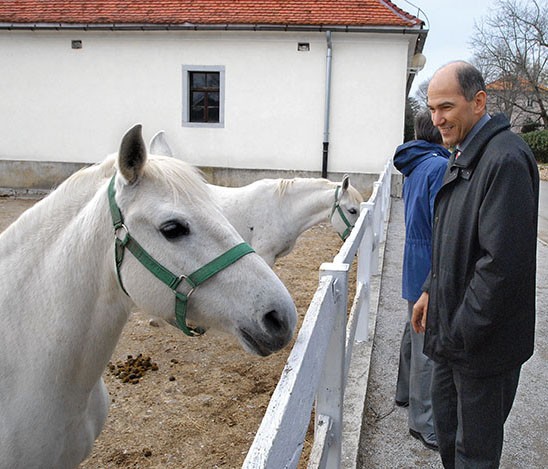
(270, 214)
(71, 270)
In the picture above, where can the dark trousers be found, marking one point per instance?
(469, 416)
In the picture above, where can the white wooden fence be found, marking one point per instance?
(317, 367)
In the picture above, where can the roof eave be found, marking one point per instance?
(419, 46)
(209, 27)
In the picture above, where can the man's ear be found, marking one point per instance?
(480, 101)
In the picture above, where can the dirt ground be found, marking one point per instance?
(200, 400)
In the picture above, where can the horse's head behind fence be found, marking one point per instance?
(166, 208)
(346, 208)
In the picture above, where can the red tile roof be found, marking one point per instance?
(514, 83)
(361, 13)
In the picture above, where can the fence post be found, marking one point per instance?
(330, 394)
(387, 192)
(365, 252)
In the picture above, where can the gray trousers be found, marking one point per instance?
(470, 414)
(414, 378)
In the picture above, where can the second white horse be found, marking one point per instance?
(270, 214)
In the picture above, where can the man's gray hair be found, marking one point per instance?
(470, 80)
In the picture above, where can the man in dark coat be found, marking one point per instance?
(478, 306)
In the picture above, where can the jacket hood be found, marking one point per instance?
(412, 153)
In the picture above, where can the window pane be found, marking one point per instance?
(213, 114)
(213, 80)
(197, 114)
(197, 80)
(198, 98)
(213, 99)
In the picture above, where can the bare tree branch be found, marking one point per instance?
(510, 48)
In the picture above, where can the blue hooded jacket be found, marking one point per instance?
(423, 164)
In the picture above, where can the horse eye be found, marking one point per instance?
(352, 211)
(174, 229)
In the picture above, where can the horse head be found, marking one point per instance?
(189, 256)
(346, 207)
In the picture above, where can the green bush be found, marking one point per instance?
(538, 141)
(529, 126)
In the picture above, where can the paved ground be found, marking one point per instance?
(385, 441)
(543, 213)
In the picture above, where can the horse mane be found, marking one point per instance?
(99, 171)
(283, 186)
(178, 174)
(175, 172)
(79, 189)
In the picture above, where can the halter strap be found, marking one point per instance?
(160, 272)
(337, 207)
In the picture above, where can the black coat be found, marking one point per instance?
(481, 312)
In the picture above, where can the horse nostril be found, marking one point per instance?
(273, 322)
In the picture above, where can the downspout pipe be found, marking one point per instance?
(327, 103)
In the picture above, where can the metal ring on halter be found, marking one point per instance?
(178, 283)
(125, 238)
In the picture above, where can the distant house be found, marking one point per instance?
(247, 87)
(515, 97)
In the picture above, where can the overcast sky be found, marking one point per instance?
(450, 26)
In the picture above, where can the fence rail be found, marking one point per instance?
(317, 368)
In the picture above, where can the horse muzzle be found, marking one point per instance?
(271, 334)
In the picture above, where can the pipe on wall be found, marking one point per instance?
(329, 57)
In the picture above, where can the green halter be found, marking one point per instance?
(159, 271)
(337, 207)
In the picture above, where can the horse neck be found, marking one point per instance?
(64, 202)
(308, 201)
(71, 289)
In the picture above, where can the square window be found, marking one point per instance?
(203, 96)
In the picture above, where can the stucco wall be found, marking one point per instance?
(65, 105)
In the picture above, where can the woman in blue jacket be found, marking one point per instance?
(423, 163)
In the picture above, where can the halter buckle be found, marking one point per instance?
(123, 240)
(180, 279)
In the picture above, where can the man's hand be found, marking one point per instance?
(420, 310)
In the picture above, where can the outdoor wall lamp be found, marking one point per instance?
(417, 63)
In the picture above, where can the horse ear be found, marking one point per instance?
(345, 182)
(159, 146)
(132, 155)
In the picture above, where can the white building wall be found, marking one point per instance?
(66, 105)
(368, 101)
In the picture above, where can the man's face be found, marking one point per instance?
(451, 113)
